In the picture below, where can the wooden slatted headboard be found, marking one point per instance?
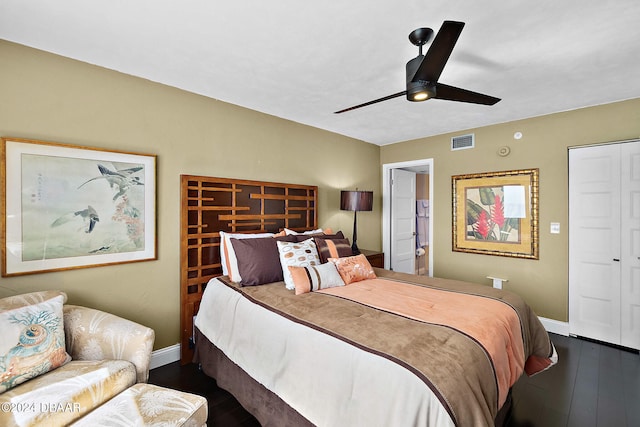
(210, 205)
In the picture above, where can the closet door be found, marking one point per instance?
(604, 243)
(630, 244)
(594, 242)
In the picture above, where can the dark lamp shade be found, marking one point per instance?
(356, 200)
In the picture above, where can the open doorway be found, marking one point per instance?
(421, 212)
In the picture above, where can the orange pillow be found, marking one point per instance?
(354, 268)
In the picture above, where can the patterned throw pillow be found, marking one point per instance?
(296, 254)
(354, 268)
(32, 338)
(314, 278)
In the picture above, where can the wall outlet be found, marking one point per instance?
(555, 228)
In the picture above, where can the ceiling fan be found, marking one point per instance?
(423, 71)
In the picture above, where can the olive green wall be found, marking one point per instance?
(544, 145)
(51, 98)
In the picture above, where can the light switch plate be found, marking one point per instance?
(555, 228)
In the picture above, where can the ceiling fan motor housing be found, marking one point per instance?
(420, 90)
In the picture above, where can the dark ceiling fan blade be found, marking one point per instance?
(439, 52)
(451, 93)
(375, 101)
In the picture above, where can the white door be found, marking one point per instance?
(630, 244)
(594, 242)
(604, 211)
(403, 221)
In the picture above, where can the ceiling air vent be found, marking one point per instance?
(462, 142)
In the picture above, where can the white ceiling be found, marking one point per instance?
(303, 60)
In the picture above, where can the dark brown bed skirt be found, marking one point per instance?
(266, 406)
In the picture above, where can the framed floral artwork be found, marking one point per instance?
(496, 213)
(68, 206)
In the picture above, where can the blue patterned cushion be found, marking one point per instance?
(31, 338)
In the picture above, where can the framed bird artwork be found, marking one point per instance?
(68, 206)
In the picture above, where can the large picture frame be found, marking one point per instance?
(67, 206)
(496, 213)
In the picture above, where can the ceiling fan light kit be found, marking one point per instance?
(420, 91)
(424, 71)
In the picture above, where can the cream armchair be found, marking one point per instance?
(96, 335)
(40, 384)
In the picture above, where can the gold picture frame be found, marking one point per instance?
(496, 213)
(67, 206)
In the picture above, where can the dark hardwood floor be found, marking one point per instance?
(592, 385)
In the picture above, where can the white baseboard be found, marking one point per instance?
(164, 356)
(555, 326)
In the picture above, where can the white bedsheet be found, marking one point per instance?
(328, 381)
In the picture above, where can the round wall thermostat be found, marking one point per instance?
(517, 135)
(504, 151)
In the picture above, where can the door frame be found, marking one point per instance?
(415, 165)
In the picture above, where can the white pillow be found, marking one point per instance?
(296, 254)
(290, 232)
(228, 256)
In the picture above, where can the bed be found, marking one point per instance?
(381, 348)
